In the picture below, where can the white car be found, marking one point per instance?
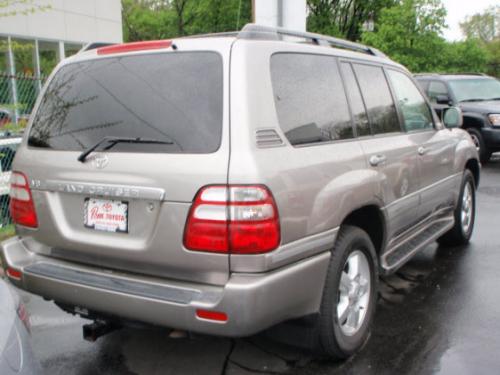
(16, 355)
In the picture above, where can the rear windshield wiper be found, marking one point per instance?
(115, 140)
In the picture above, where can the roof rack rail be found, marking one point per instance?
(466, 74)
(94, 45)
(452, 74)
(253, 31)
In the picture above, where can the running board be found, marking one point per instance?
(402, 252)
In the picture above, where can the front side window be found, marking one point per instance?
(377, 95)
(171, 97)
(436, 89)
(310, 99)
(416, 113)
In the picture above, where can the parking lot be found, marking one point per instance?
(438, 314)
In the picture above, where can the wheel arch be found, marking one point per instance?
(371, 219)
(473, 120)
(474, 166)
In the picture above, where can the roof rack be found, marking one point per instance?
(94, 45)
(259, 32)
(452, 74)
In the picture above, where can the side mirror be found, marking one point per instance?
(453, 117)
(443, 99)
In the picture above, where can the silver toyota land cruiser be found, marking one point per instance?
(223, 184)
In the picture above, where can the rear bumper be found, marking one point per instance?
(252, 301)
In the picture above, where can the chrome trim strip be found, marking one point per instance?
(397, 201)
(108, 282)
(105, 190)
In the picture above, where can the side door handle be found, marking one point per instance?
(376, 160)
(422, 150)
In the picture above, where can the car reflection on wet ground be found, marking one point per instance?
(438, 314)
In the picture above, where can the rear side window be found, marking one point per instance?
(174, 97)
(377, 95)
(357, 105)
(310, 98)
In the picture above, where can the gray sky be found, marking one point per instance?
(458, 10)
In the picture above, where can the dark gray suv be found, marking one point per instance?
(224, 184)
(478, 96)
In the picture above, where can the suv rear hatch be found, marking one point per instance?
(125, 206)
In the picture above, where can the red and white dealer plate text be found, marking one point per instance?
(106, 215)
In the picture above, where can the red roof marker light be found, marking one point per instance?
(134, 46)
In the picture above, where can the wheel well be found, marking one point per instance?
(473, 166)
(472, 122)
(371, 220)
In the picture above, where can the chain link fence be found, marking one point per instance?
(18, 94)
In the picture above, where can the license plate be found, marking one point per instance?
(106, 215)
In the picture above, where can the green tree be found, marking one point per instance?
(343, 18)
(483, 26)
(484, 29)
(159, 19)
(409, 32)
(464, 56)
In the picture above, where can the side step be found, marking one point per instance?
(403, 251)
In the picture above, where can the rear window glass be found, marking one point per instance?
(172, 97)
(310, 98)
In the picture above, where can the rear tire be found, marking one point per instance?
(465, 214)
(349, 295)
(477, 138)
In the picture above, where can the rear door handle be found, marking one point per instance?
(422, 150)
(377, 160)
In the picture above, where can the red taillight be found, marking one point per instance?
(211, 315)
(24, 316)
(238, 219)
(135, 46)
(22, 209)
(14, 274)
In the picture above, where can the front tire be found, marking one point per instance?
(482, 149)
(349, 295)
(465, 214)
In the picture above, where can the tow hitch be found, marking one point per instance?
(91, 332)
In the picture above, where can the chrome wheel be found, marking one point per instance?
(354, 293)
(467, 208)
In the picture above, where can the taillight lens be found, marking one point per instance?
(239, 219)
(22, 209)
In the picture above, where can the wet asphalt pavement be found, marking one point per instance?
(439, 314)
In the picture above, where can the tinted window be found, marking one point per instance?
(436, 88)
(416, 113)
(174, 97)
(423, 84)
(375, 90)
(357, 107)
(310, 99)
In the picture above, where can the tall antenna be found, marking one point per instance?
(239, 14)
